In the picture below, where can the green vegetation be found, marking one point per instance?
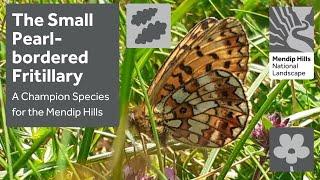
(109, 153)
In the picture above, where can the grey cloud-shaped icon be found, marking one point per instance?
(152, 32)
(142, 17)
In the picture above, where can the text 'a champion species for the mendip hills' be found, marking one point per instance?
(75, 96)
(54, 112)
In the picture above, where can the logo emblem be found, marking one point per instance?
(291, 29)
(291, 149)
(148, 26)
(291, 43)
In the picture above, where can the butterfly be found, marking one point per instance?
(197, 95)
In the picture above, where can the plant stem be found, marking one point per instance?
(257, 172)
(250, 127)
(152, 121)
(85, 145)
(181, 10)
(6, 134)
(126, 84)
(35, 146)
(63, 151)
(21, 152)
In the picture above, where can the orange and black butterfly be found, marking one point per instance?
(197, 95)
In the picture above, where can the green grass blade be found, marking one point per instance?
(6, 134)
(3, 163)
(212, 156)
(126, 84)
(185, 163)
(250, 127)
(85, 145)
(258, 164)
(61, 159)
(250, 12)
(152, 120)
(63, 152)
(46, 133)
(161, 176)
(304, 114)
(181, 10)
(20, 149)
(218, 11)
(141, 62)
(255, 85)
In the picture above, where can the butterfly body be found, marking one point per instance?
(197, 95)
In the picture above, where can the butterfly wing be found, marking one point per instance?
(211, 44)
(209, 111)
(197, 93)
